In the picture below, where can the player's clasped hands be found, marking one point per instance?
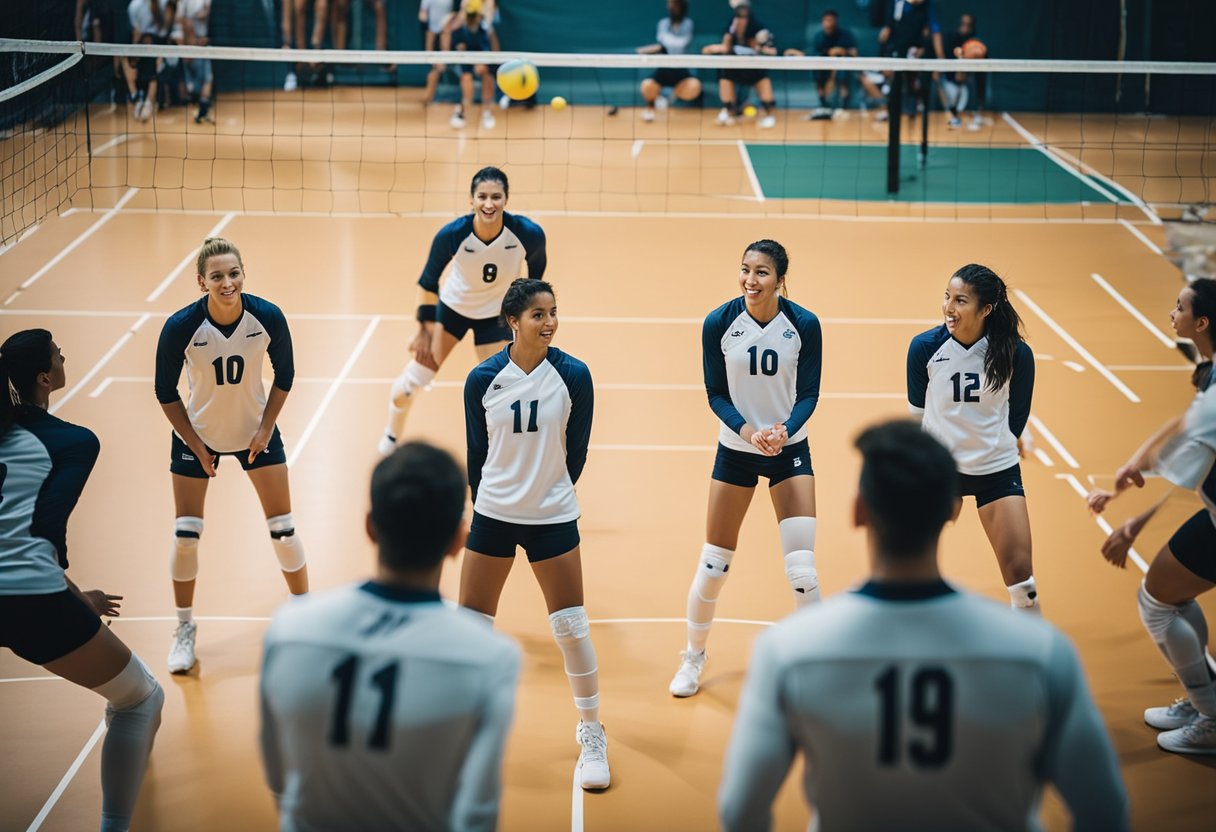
(769, 441)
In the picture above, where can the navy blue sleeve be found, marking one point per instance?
(73, 451)
(533, 238)
(713, 363)
(919, 350)
(582, 403)
(819, 43)
(1021, 388)
(847, 40)
(810, 368)
(171, 352)
(443, 249)
(477, 435)
(282, 357)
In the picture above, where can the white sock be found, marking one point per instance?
(132, 715)
(1178, 639)
(185, 614)
(1024, 596)
(712, 569)
(572, 632)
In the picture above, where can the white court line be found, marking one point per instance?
(332, 391)
(34, 679)
(678, 621)
(126, 336)
(112, 143)
(1053, 442)
(125, 618)
(1132, 554)
(169, 278)
(70, 247)
(67, 777)
(1042, 457)
(1156, 368)
(1141, 237)
(26, 233)
(1093, 172)
(751, 171)
(1052, 154)
(652, 448)
(1133, 311)
(1081, 351)
(636, 150)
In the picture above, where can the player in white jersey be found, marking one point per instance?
(762, 357)
(527, 413)
(915, 705)
(1183, 450)
(487, 250)
(222, 339)
(384, 707)
(971, 381)
(45, 619)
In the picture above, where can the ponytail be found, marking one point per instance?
(22, 358)
(1003, 326)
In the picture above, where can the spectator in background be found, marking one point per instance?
(958, 89)
(474, 36)
(831, 41)
(436, 17)
(294, 24)
(340, 25)
(100, 21)
(674, 35)
(911, 29)
(151, 23)
(744, 35)
(195, 16)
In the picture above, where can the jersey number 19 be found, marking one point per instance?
(931, 709)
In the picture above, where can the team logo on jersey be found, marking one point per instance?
(470, 250)
(941, 358)
(200, 343)
(797, 462)
(513, 245)
(789, 333)
(187, 458)
(737, 333)
(497, 386)
(252, 334)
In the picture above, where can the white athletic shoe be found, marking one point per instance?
(487, 120)
(648, 114)
(457, 120)
(661, 102)
(768, 122)
(386, 445)
(291, 83)
(687, 680)
(1196, 737)
(504, 101)
(593, 759)
(954, 122)
(1174, 716)
(724, 118)
(181, 654)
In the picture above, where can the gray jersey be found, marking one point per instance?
(918, 707)
(383, 708)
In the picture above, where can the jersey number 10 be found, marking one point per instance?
(767, 362)
(232, 373)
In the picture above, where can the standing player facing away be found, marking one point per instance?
(487, 250)
(222, 339)
(527, 413)
(762, 356)
(917, 706)
(971, 381)
(45, 619)
(1184, 451)
(383, 707)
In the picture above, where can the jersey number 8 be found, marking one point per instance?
(489, 273)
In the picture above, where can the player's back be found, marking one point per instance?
(941, 712)
(387, 710)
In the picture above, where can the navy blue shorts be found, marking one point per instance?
(745, 470)
(42, 628)
(182, 461)
(498, 538)
(988, 488)
(670, 76)
(485, 330)
(1194, 545)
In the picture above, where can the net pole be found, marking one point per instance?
(925, 97)
(894, 119)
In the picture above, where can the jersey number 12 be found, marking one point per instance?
(965, 387)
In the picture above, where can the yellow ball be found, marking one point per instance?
(518, 79)
(558, 103)
(749, 111)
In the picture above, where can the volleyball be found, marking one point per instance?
(519, 80)
(558, 103)
(974, 49)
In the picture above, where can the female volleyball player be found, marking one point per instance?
(971, 381)
(744, 35)
(44, 618)
(527, 412)
(222, 338)
(762, 356)
(487, 249)
(1183, 450)
(673, 38)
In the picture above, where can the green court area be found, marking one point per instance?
(953, 174)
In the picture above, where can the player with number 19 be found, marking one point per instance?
(223, 339)
(487, 249)
(971, 381)
(527, 414)
(762, 358)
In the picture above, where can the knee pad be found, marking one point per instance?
(132, 688)
(183, 562)
(570, 624)
(1156, 616)
(414, 377)
(287, 547)
(798, 549)
(711, 572)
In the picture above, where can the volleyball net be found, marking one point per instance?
(335, 132)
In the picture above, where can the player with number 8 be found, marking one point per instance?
(222, 339)
(971, 381)
(762, 358)
(487, 249)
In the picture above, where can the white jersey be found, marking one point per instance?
(946, 383)
(527, 437)
(1188, 460)
(383, 708)
(481, 272)
(224, 368)
(918, 707)
(761, 374)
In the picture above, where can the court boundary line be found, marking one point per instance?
(1055, 443)
(29, 232)
(1076, 345)
(746, 158)
(1102, 522)
(67, 778)
(171, 276)
(1140, 235)
(101, 362)
(1156, 368)
(1133, 311)
(1051, 153)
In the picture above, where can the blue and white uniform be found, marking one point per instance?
(675, 39)
(980, 427)
(761, 375)
(919, 707)
(384, 708)
(224, 371)
(44, 465)
(1188, 460)
(472, 293)
(527, 444)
